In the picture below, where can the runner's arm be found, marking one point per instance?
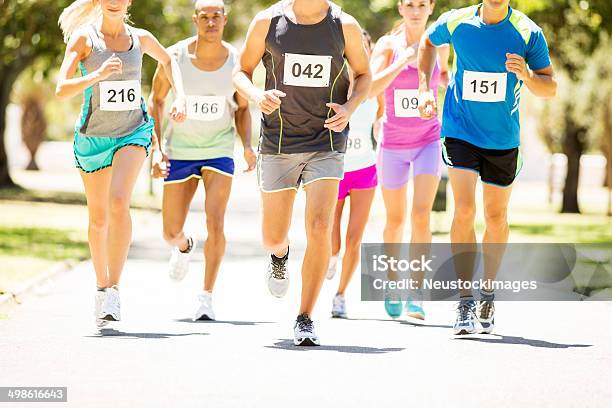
(358, 60)
(250, 56)
(243, 121)
(76, 49)
(540, 82)
(443, 56)
(154, 49)
(426, 63)
(383, 72)
(157, 100)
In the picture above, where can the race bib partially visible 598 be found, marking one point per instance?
(484, 86)
(205, 108)
(356, 143)
(120, 95)
(313, 71)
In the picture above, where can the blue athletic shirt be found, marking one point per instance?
(476, 108)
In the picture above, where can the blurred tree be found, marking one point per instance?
(32, 96)
(577, 32)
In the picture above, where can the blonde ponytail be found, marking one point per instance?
(78, 14)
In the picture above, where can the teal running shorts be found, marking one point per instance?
(96, 153)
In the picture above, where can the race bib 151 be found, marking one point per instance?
(484, 86)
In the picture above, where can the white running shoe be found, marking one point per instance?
(111, 307)
(467, 321)
(204, 310)
(278, 277)
(339, 307)
(304, 333)
(179, 261)
(485, 310)
(100, 296)
(333, 266)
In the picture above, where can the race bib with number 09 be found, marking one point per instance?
(313, 71)
(484, 86)
(205, 108)
(120, 95)
(406, 103)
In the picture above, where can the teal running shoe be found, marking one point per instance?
(414, 309)
(393, 305)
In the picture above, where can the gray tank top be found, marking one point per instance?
(113, 107)
(307, 63)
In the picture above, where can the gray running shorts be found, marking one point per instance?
(278, 172)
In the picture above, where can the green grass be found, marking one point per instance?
(143, 202)
(43, 243)
(560, 232)
(27, 251)
(39, 230)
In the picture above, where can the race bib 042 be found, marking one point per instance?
(313, 71)
(406, 103)
(120, 95)
(484, 86)
(205, 108)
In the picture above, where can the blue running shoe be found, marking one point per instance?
(414, 309)
(393, 305)
(467, 321)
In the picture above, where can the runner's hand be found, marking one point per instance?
(408, 55)
(427, 105)
(160, 165)
(340, 120)
(111, 66)
(178, 110)
(517, 65)
(251, 159)
(269, 101)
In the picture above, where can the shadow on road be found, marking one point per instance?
(521, 340)
(235, 323)
(118, 333)
(286, 344)
(405, 322)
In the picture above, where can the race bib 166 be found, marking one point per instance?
(205, 108)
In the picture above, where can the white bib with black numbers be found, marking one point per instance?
(357, 143)
(120, 95)
(484, 86)
(313, 71)
(406, 103)
(205, 108)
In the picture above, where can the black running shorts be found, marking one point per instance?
(498, 167)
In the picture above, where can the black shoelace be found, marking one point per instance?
(486, 309)
(464, 311)
(305, 324)
(278, 269)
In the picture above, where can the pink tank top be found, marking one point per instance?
(402, 126)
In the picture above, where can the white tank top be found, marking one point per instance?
(209, 131)
(359, 149)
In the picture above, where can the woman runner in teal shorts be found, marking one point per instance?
(113, 133)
